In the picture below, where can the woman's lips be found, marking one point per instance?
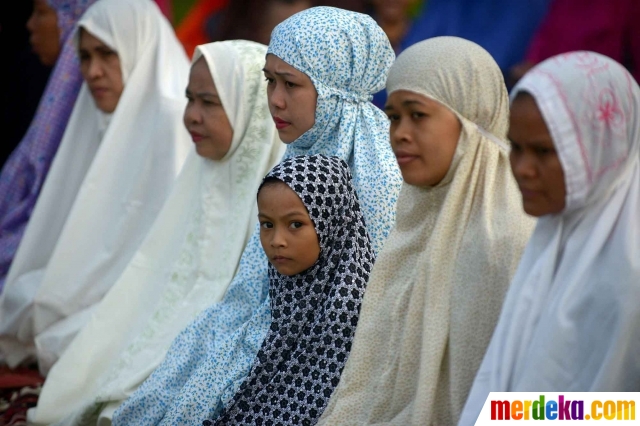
(98, 92)
(403, 159)
(280, 123)
(196, 137)
(528, 193)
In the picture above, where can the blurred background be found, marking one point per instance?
(518, 33)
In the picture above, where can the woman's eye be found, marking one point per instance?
(296, 225)
(515, 147)
(543, 151)
(289, 84)
(269, 80)
(393, 117)
(417, 115)
(266, 225)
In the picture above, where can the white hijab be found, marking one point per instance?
(437, 286)
(571, 320)
(107, 184)
(187, 260)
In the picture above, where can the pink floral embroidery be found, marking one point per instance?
(608, 111)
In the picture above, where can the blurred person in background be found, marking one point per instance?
(23, 77)
(503, 27)
(395, 17)
(51, 26)
(119, 155)
(608, 27)
(253, 19)
(219, 20)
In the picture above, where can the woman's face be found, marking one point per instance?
(424, 137)
(45, 33)
(100, 68)
(534, 161)
(204, 116)
(292, 99)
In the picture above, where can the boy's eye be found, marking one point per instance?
(289, 84)
(269, 80)
(393, 117)
(266, 225)
(418, 115)
(515, 147)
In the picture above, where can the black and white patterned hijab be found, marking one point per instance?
(314, 313)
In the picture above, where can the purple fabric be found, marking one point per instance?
(24, 172)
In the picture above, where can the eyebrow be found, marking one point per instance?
(406, 103)
(280, 73)
(410, 102)
(202, 94)
(286, 216)
(535, 143)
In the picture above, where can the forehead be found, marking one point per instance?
(278, 197)
(200, 75)
(89, 41)
(526, 120)
(403, 98)
(276, 65)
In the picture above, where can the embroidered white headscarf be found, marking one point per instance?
(571, 320)
(437, 286)
(108, 181)
(189, 257)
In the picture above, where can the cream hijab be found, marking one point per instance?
(107, 184)
(188, 259)
(437, 287)
(571, 320)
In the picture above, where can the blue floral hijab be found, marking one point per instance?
(347, 56)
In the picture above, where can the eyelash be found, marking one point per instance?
(293, 225)
(287, 84)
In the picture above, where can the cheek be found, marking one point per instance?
(308, 101)
(218, 126)
(50, 28)
(311, 247)
(557, 183)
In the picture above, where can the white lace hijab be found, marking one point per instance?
(571, 320)
(437, 286)
(189, 257)
(110, 177)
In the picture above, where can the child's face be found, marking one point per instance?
(287, 233)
